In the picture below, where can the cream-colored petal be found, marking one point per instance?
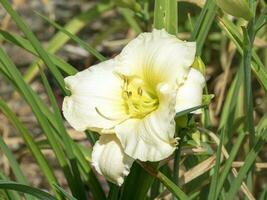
(95, 101)
(157, 57)
(109, 159)
(151, 138)
(190, 93)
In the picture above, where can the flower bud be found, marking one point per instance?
(196, 136)
(181, 121)
(132, 4)
(199, 65)
(237, 8)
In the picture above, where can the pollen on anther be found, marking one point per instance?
(140, 91)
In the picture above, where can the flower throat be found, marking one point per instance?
(140, 100)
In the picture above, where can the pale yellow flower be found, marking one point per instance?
(132, 100)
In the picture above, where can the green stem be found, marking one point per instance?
(166, 15)
(249, 36)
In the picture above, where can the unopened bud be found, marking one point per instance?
(199, 65)
(237, 8)
(196, 136)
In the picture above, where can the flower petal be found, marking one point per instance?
(109, 159)
(190, 93)
(151, 138)
(157, 57)
(95, 102)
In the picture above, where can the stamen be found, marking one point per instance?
(106, 117)
(140, 91)
(138, 98)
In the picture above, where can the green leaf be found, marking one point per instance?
(12, 195)
(43, 111)
(228, 163)
(214, 180)
(32, 146)
(203, 25)
(35, 43)
(249, 161)
(77, 183)
(234, 34)
(131, 191)
(83, 44)
(26, 92)
(73, 27)
(26, 189)
(262, 20)
(25, 44)
(166, 15)
(189, 110)
(14, 165)
(64, 193)
(172, 187)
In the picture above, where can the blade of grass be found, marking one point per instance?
(83, 44)
(114, 192)
(172, 187)
(159, 14)
(128, 15)
(166, 16)
(248, 40)
(24, 88)
(64, 193)
(79, 188)
(74, 154)
(228, 113)
(26, 189)
(189, 110)
(233, 33)
(11, 195)
(26, 45)
(35, 43)
(45, 125)
(90, 177)
(32, 146)
(263, 195)
(137, 175)
(214, 180)
(73, 27)
(14, 165)
(228, 163)
(252, 155)
(199, 34)
(203, 25)
(171, 17)
(248, 101)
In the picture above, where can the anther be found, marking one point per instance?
(140, 91)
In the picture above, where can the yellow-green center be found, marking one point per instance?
(139, 98)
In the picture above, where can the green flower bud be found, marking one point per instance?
(196, 136)
(132, 4)
(237, 8)
(181, 121)
(199, 65)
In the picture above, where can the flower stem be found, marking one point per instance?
(249, 36)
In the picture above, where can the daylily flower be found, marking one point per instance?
(131, 101)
